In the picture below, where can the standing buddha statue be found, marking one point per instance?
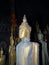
(44, 49)
(12, 53)
(47, 37)
(26, 51)
(2, 57)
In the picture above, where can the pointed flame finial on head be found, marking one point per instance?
(24, 18)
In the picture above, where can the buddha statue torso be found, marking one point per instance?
(27, 53)
(25, 50)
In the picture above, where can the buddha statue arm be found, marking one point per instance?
(46, 52)
(17, 56)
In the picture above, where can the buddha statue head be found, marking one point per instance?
(40, 36)
(37, 26)
(47, 27)
(1, 52)
(11, 38)
(24, 29)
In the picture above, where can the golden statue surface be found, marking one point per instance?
(2, 57)
(12, 53)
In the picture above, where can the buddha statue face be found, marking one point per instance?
(40, 36)
(22, 33)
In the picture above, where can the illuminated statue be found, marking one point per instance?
(44, 48)
(26, 51)
(12, 53)
(47, 40)
(2, 57)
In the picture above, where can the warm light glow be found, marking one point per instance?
(27, 49)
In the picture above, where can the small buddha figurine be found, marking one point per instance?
(26, 51)
(37, 29)
(47, 37)
(12, 53)
(37, 26)
(2, 57)
(44, 48)
(47, 40)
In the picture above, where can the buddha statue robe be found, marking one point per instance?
(27, 53)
